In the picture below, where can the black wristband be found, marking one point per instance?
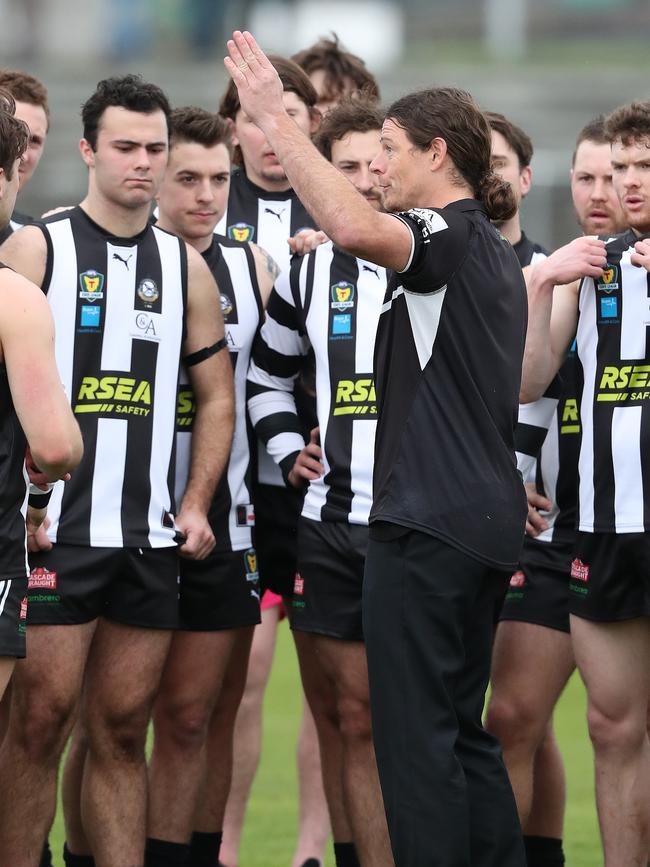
(39, 501)
(205, 353)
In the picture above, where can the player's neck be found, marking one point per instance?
(200, 244)
(268, 185)
(115, 219)
(511, 229)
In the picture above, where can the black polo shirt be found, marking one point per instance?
(448, 361)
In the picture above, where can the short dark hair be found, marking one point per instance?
(339, 66)
(514, 135)
(192, 124)
(453, 115)
(14, 134)
(352, 114)
(593, 131)
(294, 80)
(25, 88)
(124, 91)
(629, 123)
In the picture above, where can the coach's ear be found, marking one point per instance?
(87, 153)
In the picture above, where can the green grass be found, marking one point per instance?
(271, 824)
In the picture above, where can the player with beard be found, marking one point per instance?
(535, 617)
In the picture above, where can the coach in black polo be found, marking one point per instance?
(448, 517)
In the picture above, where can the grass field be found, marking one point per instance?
(272, 818)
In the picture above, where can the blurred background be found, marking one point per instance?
(549, 66)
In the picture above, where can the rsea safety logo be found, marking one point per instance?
(185, 408)
(570, 419)
(114, 395)
(355, 396)
(628, 384)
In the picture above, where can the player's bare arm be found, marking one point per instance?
(27, 347)
(26, 252)
(553, 310)
(267, 271)
(340, 211)
(211, 378)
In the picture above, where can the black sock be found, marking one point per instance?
(46, 855)
(544, 852)
(345, 855)
(204, 848)
(162, 853)
(71, 860)
(311, 862)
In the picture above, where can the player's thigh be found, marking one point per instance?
(614, 662)
(345, 664)
(123, 673)
(7, 664)
(530, 665)
(194, 668)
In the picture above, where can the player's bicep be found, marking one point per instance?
(204, 320)
(26, 252)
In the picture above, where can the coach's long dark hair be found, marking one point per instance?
(452, 114)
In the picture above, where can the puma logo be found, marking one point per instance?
(125, 262)
(374, 271)
(275, 214)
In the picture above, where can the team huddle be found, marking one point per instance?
(298, 358)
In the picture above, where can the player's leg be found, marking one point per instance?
(610, 629)
(247, 738)
(7, 664)
(544, 828)
(191, 682)
(521, 703)
(45, 692)
(313, 815)
(613, 659)
(123, 674)
(76, 841)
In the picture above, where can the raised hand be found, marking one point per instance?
(258, 84)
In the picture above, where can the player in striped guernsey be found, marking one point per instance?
(330, 303)
(219, 597)
(263, 208)
(535, 616)
(127, 299)
(32, 107)
(29, 391)
(609, 587)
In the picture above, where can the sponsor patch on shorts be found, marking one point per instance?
(41, 578)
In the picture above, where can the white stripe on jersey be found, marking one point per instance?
(588, 333)
(550, 464)
(424, 314)
(4, 593)
(628, 473)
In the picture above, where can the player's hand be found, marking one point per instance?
(199, 538)
(641, 255)
(535, 522)
(309, 464)
(306, 240)
(36, 475)
(36, 524)
(583, 257)
(258, 84)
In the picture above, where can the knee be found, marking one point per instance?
(41, 722)
(623, 732)
(354, 719)
(117, 733)
(181, 727)
(515, 723)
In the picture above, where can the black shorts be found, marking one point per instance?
(13, 616)
(327, 590)
(610, 576)
(74, 584)
(277, 511)
(220, 592)
(538, 593)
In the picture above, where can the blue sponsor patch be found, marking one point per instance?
(342, 323)
(90, 316)
(609, 308)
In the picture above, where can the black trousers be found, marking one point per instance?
(428, 612)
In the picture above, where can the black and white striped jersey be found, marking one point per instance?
(268, 219)
(119, 310)
(447, 369)
(231, 513)
(16, 222)
(613, 351)
(529, 252)
(13, 490)
(331, 303)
